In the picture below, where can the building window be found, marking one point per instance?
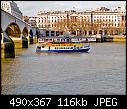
(118, 24)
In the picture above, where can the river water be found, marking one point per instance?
(101, 71)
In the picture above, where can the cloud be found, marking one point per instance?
(31, 8)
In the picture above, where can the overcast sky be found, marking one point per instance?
(31, 8)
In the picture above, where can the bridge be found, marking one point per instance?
(15, 34)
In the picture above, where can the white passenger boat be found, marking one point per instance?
(63, 47)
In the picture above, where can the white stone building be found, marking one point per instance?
(106, 18)
(32, 21)
(12, 8)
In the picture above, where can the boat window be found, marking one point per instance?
(71, 48)
(43, 46)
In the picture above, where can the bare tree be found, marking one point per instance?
(122, 28)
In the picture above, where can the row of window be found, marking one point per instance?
(63, 17)
(4, 4)
(5, 7)
(48, 21)
(67, 47)
(53, 17)
(44, 21)
(104, 16)
(105, 20)
(63, 47)
(104, 24)
(54, 20)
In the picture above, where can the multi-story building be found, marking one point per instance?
(32, 21)
(12, 8)
(100, 21)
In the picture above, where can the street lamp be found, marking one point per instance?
(92, 21)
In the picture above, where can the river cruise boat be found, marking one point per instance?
(63, 47)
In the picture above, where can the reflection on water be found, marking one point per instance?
(101, 71)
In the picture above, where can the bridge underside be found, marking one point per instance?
(20, 41)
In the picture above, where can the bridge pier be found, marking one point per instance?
(31, 39)
(24, 42)
(35, 39)
(17, 43)
(7, 47)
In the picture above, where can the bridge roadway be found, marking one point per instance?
(15, 33)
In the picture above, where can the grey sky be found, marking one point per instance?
(30, 8)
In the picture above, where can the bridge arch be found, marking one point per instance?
(13, 30)
(31, 32)
(24, 38)
(31, 36)
(25, 32)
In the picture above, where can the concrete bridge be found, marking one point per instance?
(15, 33)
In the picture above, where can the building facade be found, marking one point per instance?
(100, 21)
(12, 8)
(32, 21)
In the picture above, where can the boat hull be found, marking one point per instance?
(62, 51)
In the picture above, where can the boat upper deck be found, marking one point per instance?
(64, 44)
